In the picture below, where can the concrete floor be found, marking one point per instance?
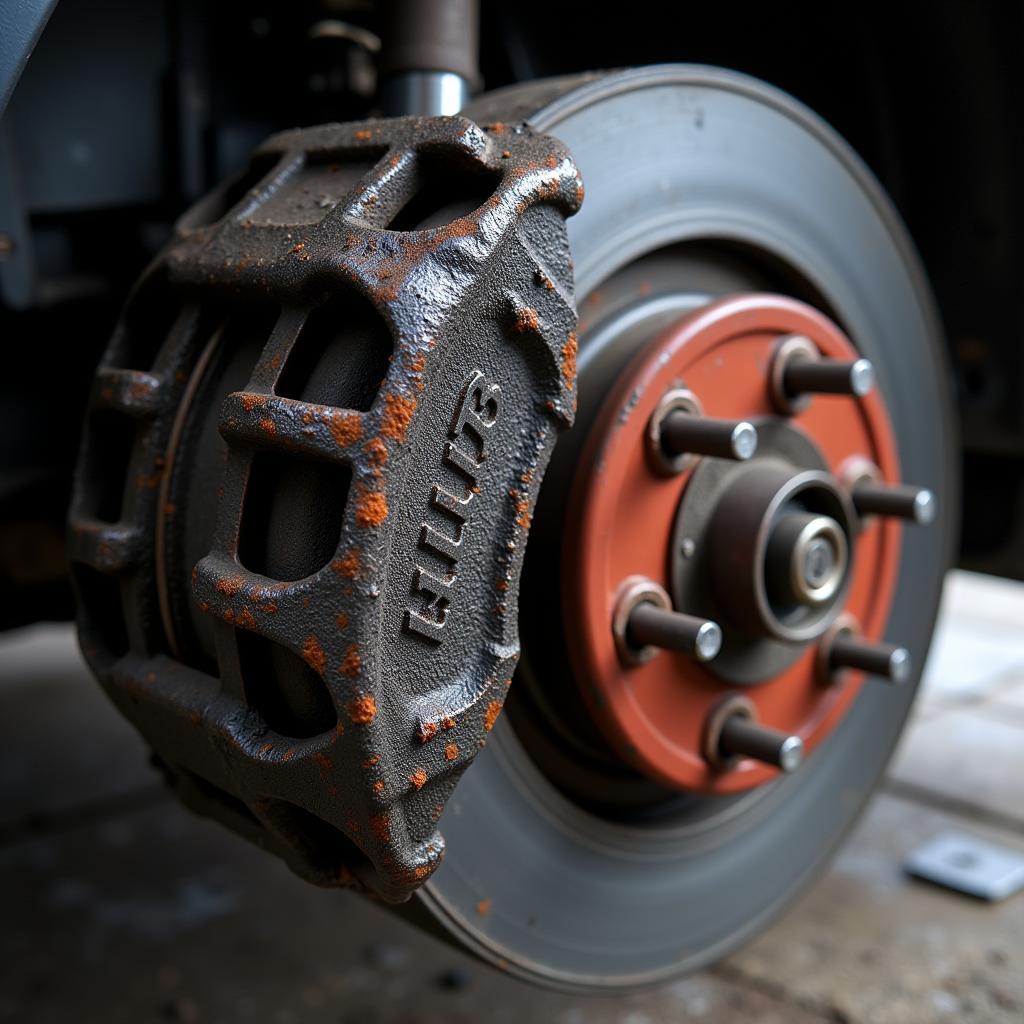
(117, 905)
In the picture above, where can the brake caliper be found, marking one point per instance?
(311, 457)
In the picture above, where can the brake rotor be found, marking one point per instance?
(585, 854)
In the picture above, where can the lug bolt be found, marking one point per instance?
(742, 737)
(687, 434)
(650, 625)
(887, 661)
(828, 376)
(916, 504)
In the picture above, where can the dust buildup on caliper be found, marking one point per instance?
(335, 394)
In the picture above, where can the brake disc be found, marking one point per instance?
(599, 844)
(310, 464)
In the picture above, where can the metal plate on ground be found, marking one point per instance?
(968, 865)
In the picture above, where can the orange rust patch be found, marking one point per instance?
(363, 135)
(501, 585)
(267, 426)
(552, 162)
(569, 360)
(381, 828)
(229, 586)
(451, 751)
(352, 663)
(418, 363)
(491, 715)
(251, 401)
(371, 509)
(246, 620)
(371, 761)
(418, 778)
(341, 620)
(314, 654)
(526, 320)
(322, 761)
(377, 452)
(346, 427)
(363, 710)
(397, 416)
(483, 907)
(522, 508)
(349, 565)
(378, 786)
(298, 247)
(497, 128)
(447, 722)
(580, 193)
(427, 731)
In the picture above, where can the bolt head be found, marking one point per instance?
(744, 440)
(791, 753)
(924, 507)
(709, 641)
(862, 377)
(900, 665)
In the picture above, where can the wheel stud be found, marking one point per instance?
(828, 376)
(887, 661)
(743, 737)
(658, 627)
(916, 504)
(683, 433)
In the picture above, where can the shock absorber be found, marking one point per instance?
(430, 55)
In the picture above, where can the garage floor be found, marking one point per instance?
(116, 905)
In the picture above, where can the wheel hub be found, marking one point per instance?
(715, 499)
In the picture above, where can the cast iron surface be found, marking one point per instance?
(593, 880)
(310, 463)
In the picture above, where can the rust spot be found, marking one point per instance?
(372, 761)
(398, 411)
(497, 128)
(381, 828)
(314, 654)
(349, 565)
(377, 452)
(267, 426)
(569, 359)
(506, 153)
(502, 585)
(447, 722)
(298, 247)
(266, 748)
(275, 361)
(251, 401)
(363, 710)
(322, 761)
(451, 751)
(346, 427)
(341, 620)
(580, 192)
(483, 907)
(246, 620)
(426, 732)
(551, 161)
(363, 135)
(378, 786)
(371, 509)
(526, 320)
(491, 715)
(418, 363)
(418, 778)
(352, 664)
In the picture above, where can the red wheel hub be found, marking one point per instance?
(634, 516)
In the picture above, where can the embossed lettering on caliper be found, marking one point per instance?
(443, 536)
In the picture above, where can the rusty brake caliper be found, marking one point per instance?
(310, 460)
